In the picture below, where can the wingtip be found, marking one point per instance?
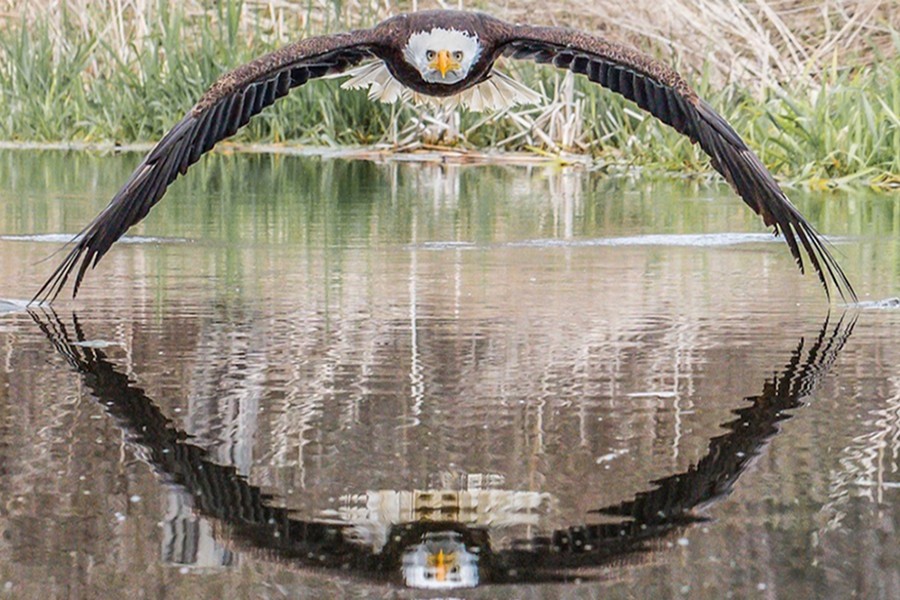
(51, 289)
(845, 289)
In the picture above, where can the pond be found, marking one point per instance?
(303, 377)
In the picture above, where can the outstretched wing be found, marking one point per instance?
(662, 92)
(226, 107)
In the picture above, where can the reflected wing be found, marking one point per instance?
(226, 107)
(643, 522)
(664, 94)
(729, 455)
(215, 490)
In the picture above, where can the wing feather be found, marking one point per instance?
(663, 93)
(228, 105)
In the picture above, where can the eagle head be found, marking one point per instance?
(442, 55)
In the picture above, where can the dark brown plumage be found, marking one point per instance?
(242, 93)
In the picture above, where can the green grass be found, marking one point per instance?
(847, 131)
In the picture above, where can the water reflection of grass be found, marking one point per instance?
(278, 199)
(252, 220)
(96, 72)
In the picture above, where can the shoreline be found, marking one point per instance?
(440, 155)
(419, 153)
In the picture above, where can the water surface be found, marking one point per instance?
(312, 378)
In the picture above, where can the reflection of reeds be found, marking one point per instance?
(339, 318)
(869, 462)
(814, 85)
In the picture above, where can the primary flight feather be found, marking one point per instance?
(448, 56)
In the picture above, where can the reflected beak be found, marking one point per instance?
(441, 563)
(444, 63)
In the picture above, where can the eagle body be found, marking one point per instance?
(448, 57)
(487, 30)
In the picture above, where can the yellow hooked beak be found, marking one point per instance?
(443, 62)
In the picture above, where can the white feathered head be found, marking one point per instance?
(442, 55)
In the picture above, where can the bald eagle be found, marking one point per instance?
(449, 56)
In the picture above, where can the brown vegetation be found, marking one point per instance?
(757, 43)
(812, 85)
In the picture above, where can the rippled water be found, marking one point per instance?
(311, 378)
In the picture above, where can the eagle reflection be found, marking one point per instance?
(434, 544)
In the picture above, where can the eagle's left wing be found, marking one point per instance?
(661, 91)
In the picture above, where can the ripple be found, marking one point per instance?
(12, 305)
(446, 245)
(688, 240)
(886, 304)
(100, 344)
(709, 239)
(65, 238)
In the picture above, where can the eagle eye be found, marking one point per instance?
(429, 54)
(458, 56)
